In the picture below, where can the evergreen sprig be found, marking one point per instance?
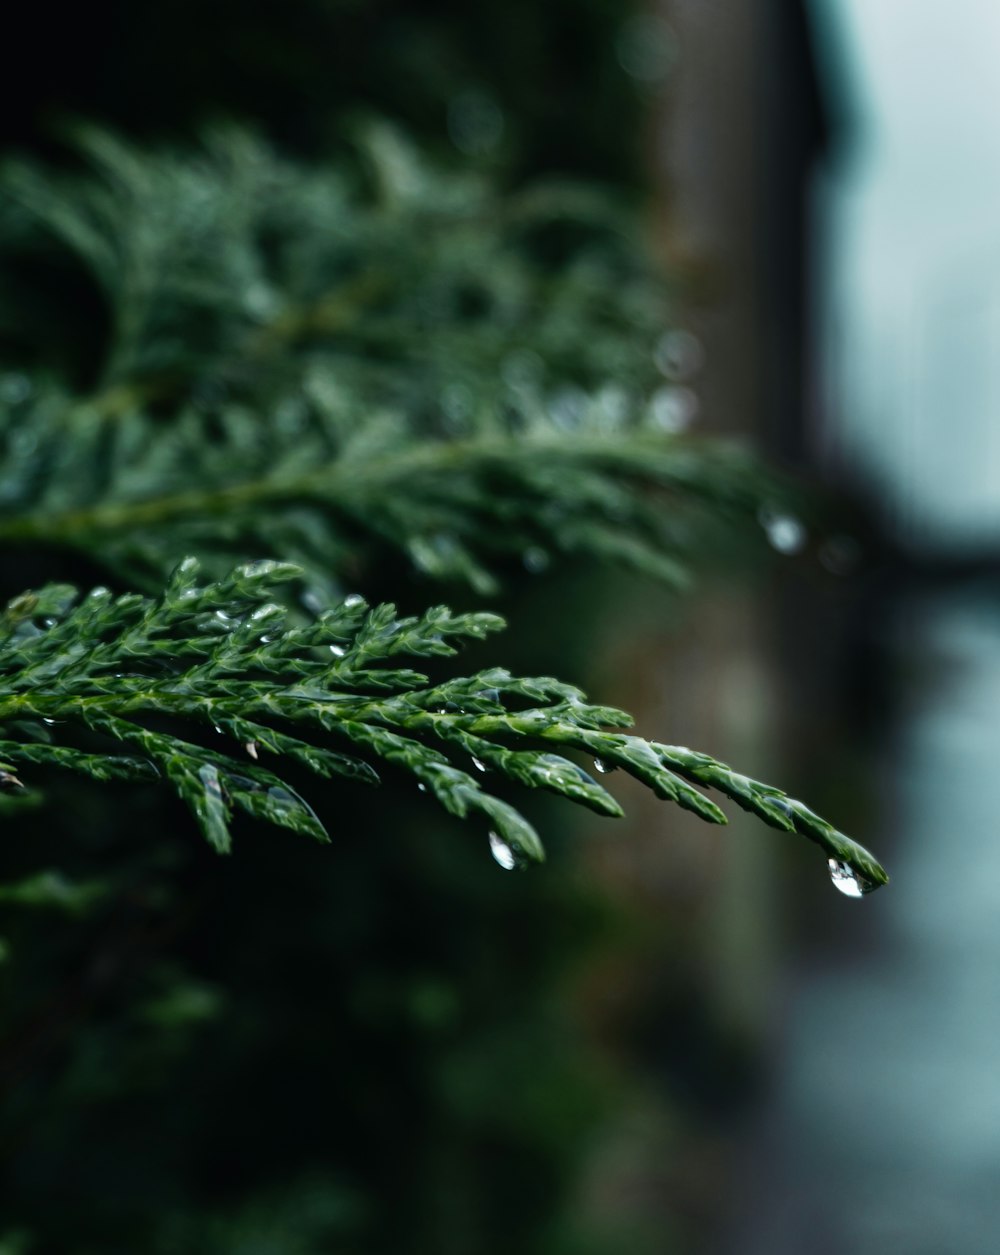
(223, 657)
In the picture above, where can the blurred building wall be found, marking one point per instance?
(913, 323)
(743, 125)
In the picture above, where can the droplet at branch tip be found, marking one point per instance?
(850, 882)
(503, 854)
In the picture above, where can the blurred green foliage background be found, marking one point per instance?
(385, 1047)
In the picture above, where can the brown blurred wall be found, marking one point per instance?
(738, 130)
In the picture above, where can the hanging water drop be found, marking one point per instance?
(478, 763)
(503, 853)
(338, 651)
(679, 354)
(354, 599)
(673, 409)
(314, 602)
(784, 532)
(603, 767)
(251, 749)
(850, 883)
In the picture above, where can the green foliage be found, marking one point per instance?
(223, 657)
(283, 373)
(334, 392)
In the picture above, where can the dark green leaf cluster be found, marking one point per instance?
(231, 268)
(327, 693)
(319, 364)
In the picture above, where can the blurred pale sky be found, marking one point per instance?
(914, 261)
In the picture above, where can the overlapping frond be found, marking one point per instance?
(319, 363)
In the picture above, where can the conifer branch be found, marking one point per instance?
(285, 374)
(223, 658)
(457, 508)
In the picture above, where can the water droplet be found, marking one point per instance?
(338, 651)
(679, 355)
(262, 567)
(673, 409)
(259, 300)
(288, 804)
(218, 729)
(46, 719)
(567, 407)
(354, 599)
(535, 559)
(785, 533)
(251, 749)
(314, 602)
(503, 853)
(603, 767)
(267, 611)
(422, 787)
(850, 883)
(478, 763)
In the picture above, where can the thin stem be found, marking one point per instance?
(348, 482)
